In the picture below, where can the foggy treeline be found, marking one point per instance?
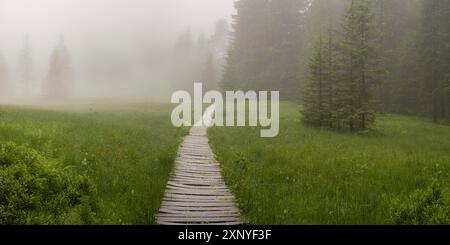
(200, 59)
(345, 59)
(191, 59)
(56, 83)
(82, 50)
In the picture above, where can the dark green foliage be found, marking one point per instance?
(358, 66)
(435, 55)
(343, 74)
(394, 55)
(127, 151)
(415, 50)
(263, 52)
(321, 93)
(34, 190)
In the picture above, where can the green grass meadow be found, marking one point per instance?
(315, 176)
(121, 156)
(128, 152)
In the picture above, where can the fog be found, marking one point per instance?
(117, 48)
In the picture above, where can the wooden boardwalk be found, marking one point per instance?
(196, 193)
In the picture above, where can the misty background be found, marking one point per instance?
(130, 49)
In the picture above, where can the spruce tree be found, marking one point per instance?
(247, 57)
(314, 97)
(209, 73)
(264, 47)
(58, 79)
(5, 86)
(435, 58)
(358, 65)
(320, 98)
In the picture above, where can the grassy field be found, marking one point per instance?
(313, 176)
(127, 151)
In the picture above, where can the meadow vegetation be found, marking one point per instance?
(395, 173)
(87, 165)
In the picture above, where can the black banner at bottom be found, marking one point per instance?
(223, 234)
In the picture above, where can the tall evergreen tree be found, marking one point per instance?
(264, 49)
(246, 55)
(58, 81)
(284, 44)
(435, 57)
(397, 22)
(209, 74)
(314, 96)
(219, 38)
(5, 86)
(320, 98)
(359, 64)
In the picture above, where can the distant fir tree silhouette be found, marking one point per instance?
(58, 80)
(209, 74)
(26, 67)
(6, 90)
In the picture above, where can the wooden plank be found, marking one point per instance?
(217, 223)
(202, 176)
(198, 170)
(204, 199)
(197, 192)
(204, 186)
(197, 209)
(176, 184)
(199, 215)
(198, 219)
(198, 197)
(195, 204)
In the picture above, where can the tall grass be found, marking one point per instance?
(128, 152)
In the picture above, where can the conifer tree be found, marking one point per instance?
(320, 98)
(314, 96)
(5, 86)
(209, 73)
(435, 57)
(264, 47)
(358, 65)
(58, 79)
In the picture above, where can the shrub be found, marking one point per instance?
(35, 190)
(425, 207)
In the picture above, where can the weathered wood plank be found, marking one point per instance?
(194, 210)
(216, 187)
(204, 199)
(175, 209)
(197, 219)
(194, 204)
